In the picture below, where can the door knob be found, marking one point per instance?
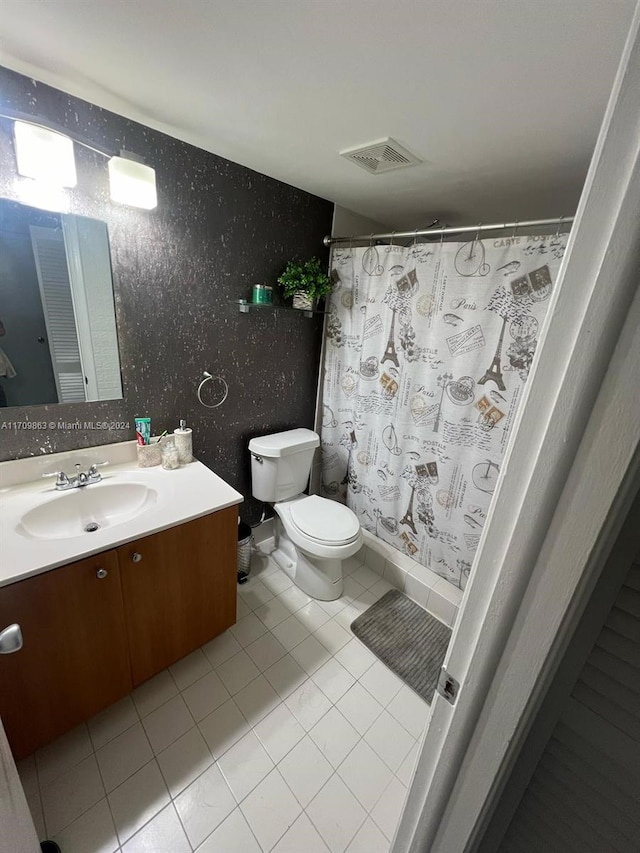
(101, 573)
(10, 640)
(136, 557)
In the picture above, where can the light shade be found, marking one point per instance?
(44, 155)
(132, 183)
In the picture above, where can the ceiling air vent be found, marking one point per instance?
(381, 156)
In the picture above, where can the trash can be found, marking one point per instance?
(244, 551)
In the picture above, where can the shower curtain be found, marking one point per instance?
(427, 352)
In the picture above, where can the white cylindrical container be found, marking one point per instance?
(183, 438)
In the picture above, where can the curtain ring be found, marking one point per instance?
(559, 226)
(351, 243)
(515, 228)
(476, 238)
(371, 240)
(442, 236)
(393, 237)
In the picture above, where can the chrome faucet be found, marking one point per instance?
(64, 482)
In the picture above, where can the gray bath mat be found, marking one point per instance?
(408, 639)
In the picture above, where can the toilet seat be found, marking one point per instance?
(325, 521)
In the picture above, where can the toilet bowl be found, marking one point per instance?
(313, 535)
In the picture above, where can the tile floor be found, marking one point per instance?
(283, 734)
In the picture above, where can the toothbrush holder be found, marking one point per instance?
(149, 455)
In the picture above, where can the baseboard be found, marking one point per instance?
(426, 588)
(429, 590)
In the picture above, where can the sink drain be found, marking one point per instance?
(91, 527)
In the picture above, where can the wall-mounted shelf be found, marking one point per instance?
(246, 307)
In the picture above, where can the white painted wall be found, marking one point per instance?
(347, 223)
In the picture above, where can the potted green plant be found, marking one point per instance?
(306, 282)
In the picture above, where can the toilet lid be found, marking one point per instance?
(325, 520)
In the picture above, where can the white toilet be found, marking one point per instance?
(313, 535)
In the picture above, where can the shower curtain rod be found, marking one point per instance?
(464, 229)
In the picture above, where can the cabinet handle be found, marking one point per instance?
(10, 639)
(136, 557)
(101, 573)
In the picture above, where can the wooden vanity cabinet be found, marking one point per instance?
(74, 660)
(98, 627)
(179, 589)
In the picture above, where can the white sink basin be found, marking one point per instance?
(80, 512)
(41, 528)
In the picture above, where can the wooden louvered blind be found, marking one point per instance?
(584, 795)
(57, 302)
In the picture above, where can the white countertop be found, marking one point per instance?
(182, 495)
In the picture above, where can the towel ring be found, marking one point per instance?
(207, 378)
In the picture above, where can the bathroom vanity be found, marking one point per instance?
(96, 627)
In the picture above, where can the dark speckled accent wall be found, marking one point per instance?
(218, 229)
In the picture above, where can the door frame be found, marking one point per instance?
(18, 829)
(550, 526)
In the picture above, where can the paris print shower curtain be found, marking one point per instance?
(427, 352)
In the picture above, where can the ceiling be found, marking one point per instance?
(502, 100)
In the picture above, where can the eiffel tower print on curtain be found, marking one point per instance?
(411, 358)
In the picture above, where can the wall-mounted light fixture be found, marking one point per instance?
(132, 182)
(44, 153)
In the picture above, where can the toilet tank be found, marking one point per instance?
(281, 464)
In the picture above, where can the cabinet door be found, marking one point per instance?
(179, 589)
(74, 660)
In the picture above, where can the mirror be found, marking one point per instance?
(58, 339)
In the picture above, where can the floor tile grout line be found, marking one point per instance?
(180, 692)
(378, 754)
(180, 821)
(286, 784)
(317, 828)
(78, 816)
(135, 710)
(84, 811)
(40, 799)
(223, 821)
(151, 761)
(252, 727)
(113, 821)
(142, 716)
(376, 804)
(276, 764)
(182, 790)
(309, 676)
(124, 731)
(367, 810)
(58, 775)
(386, 707)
